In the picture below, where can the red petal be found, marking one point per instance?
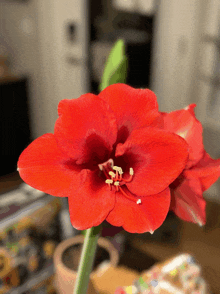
(91, 203)
(207, 171)
(133, 108)
(157, 158)
(82, 122)
(187, 202)
(185, 124)
(140, 218)
(43, 166)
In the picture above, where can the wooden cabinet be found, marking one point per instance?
(14, 122)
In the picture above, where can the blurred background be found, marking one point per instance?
(53, 49)
(57, 49)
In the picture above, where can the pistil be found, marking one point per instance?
(115, 178)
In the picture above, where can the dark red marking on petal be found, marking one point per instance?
(133, 108)
(157, 157)
(83, 123)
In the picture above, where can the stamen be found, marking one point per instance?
(104, 171)
(119, 169)
(127, 196)
(116, 178)
(108, 181)
(120, 174)
(131, 173)
(117, 185)
(113, 175)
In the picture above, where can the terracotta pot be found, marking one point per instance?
(66, 260)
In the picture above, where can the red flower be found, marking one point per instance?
(107, 157)
(201, 170)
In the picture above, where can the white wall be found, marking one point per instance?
(19, 32)
(35, 33)
(184, 63)
(176, 33)
(207, 93)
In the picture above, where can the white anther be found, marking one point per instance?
(112, 174)
(131, 171)
(117, 168)
(151, 232)
(17, 169)
(116, 183)
(139, 201)
(108, 181)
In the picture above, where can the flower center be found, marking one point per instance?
(115, 179)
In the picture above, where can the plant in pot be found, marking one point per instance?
(118, 158)
(67, 257)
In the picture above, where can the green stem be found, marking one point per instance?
(86, 260)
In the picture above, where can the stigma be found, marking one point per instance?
(114, 175)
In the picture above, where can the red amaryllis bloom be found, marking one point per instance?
(201, 170)
(107, 157)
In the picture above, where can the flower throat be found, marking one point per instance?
(115, 179)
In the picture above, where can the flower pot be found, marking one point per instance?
(66, 261)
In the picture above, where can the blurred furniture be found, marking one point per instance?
(201, 242)
(139, 254)
(111, 22)
(47, 40)
(30, 229)
(14, 122)
(4, 70)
